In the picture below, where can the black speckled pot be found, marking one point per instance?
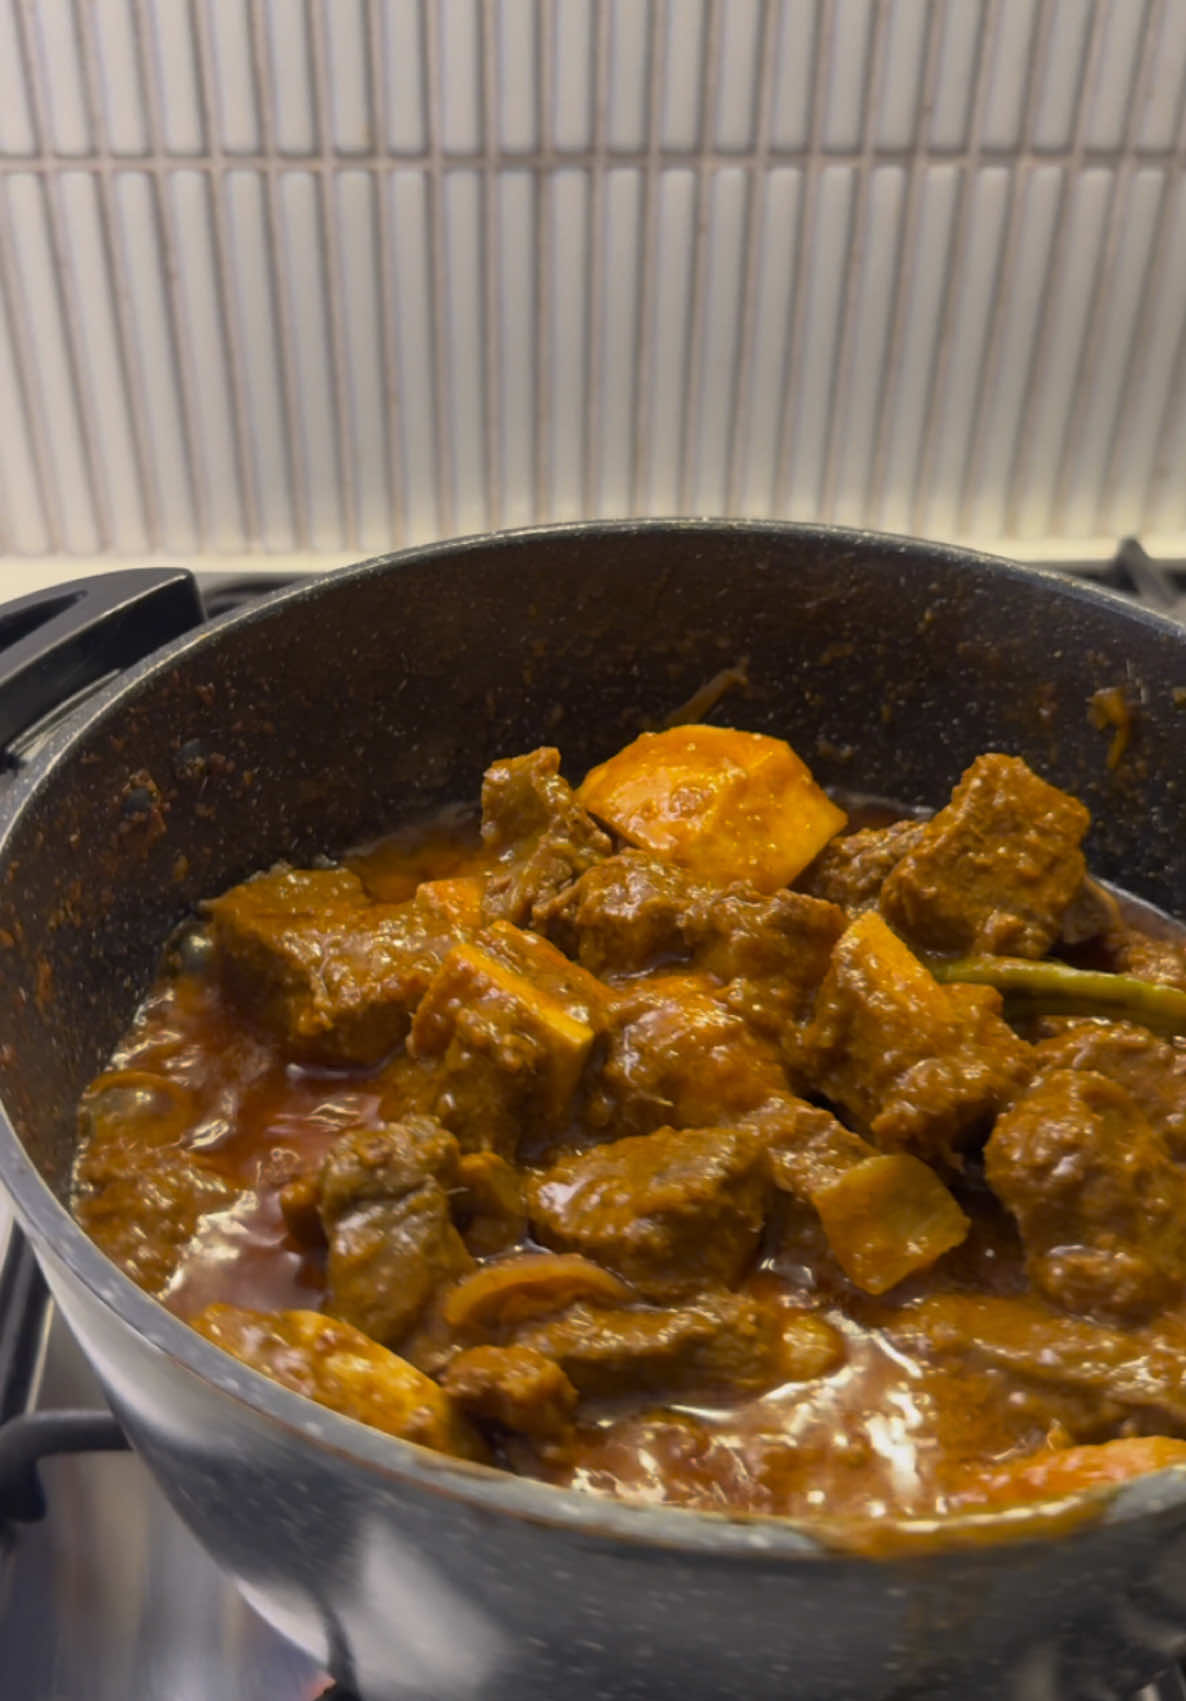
(326, 714)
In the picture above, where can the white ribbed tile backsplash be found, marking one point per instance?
(329, 276)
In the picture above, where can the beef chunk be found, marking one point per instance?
(635, 912)
(806, 1147)
(725, 1343)
(915, 1064)
(1120, 1374)
(143, 1207)
(335, 1364)
(385, 1209)
(386, 1163)
(1099, 1202)
(993, 871)
(851, 870)
(771, 956)
(1152, 1070)
(670, 1212)
(675, 1053)
(541, 835)
(507, 1046)
(488, 1203)
(629, 913)
(332, 974)
(771, 953)
(515, 1387)
(1147, 957)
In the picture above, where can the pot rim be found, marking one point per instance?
(54, 1231)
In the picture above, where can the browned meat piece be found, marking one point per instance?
(334, 975)
(676, 1054)
(635, 912)
(771, 954)
(782, 941)
(995, 870)
(1152, 1070)
(143, 1207)
(488, 1203)
(385, 1208)
(508, 1046)
(725, 1343)
(670, 1212)
(806, 1147)
(514, 1387)
(1149, 958)
(628, 913)
(915, 1064)
(386, 1163)
(1121, 1374)
(542, 836)
(1097, 1198)
(339, 1367)
(851, 870)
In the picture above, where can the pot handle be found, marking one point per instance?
(54, 643)
(24, 1441)
(28, 1436)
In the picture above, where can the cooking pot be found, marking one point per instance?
(329, 712)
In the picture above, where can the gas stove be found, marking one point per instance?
(104, 1594)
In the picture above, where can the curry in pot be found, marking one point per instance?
(684, 1138)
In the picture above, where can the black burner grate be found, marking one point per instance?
(1160, 585)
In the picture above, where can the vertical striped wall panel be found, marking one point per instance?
(323, 277)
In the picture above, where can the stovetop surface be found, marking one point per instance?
(109, 1598)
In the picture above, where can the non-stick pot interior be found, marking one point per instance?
(327, 715)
